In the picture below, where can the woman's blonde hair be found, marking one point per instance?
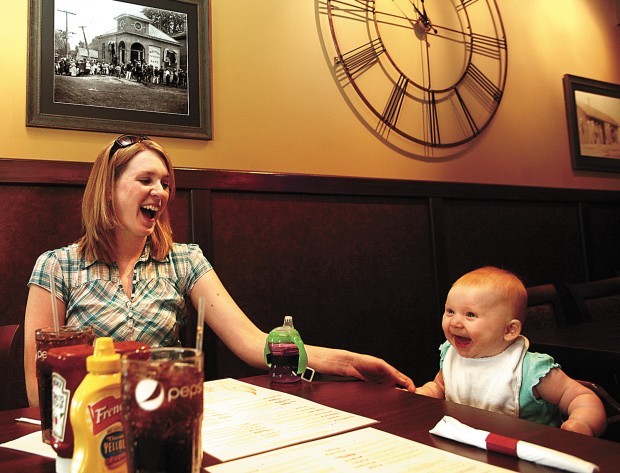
(510, 286)
(98, 214)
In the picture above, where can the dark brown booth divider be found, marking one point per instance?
(361, 264)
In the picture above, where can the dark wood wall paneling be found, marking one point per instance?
(349, 269)
(533, 239)
(361, 264)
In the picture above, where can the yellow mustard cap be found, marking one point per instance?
(104, 359)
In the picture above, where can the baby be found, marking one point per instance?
(485, 361)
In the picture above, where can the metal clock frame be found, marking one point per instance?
(409, 102)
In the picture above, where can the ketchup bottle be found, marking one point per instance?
(68, 366)
(68, 370)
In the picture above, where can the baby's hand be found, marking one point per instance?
(424, 391)
(430, 389)
(577, 426)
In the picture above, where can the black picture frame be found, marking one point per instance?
(593, 118)
(154, 109)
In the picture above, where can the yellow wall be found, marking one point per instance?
(276, 106)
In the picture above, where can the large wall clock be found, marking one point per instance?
(431, 71)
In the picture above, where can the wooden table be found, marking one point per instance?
(410, 416)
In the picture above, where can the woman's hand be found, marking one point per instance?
(376, 370)
(364, 367)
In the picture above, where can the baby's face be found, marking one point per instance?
(475, 321)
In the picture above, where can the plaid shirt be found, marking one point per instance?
(94, 296)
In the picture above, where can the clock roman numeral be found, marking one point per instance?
(467, 113)
(432, 118)
(362, 57)
(393, 106)
(482, 83)
(486, 45)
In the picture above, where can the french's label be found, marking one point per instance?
(113, 449)
(104, 413)
(60, 406)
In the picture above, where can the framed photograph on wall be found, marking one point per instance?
(123, 66)
(593, 117)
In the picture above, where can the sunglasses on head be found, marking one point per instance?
(124, 141)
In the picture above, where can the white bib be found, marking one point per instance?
(491, 383)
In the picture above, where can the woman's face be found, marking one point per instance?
(141, 194)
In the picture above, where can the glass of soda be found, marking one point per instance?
(46, 338)
(162, 405)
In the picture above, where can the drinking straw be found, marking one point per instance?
(200, 324)
(53, 294)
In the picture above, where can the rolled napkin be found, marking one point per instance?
(451, 428)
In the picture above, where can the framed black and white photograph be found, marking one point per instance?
(593, 117)
(135, 66)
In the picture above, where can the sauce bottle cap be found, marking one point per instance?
(104, 359)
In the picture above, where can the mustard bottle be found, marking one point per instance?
(96, 416)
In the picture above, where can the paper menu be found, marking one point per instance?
(241, 419)
(31, 443)
(367, 449)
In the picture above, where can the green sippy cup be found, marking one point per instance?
(285, 353)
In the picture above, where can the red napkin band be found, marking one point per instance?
(501, 444)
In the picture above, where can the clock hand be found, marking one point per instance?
(428, 65)
(432, 117)
(404, 16)
(422, 16)
(424, 21)
(426, 26)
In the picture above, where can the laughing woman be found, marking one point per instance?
(127, 279)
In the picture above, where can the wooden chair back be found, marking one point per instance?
(597, 300)
(544, 308)
(612, 409)
(8, 363)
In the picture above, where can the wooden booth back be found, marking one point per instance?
(361, 264)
